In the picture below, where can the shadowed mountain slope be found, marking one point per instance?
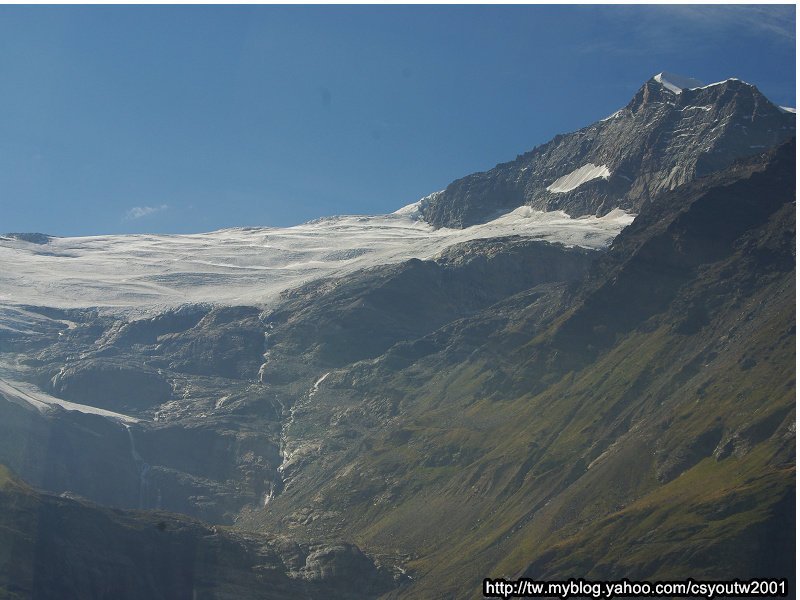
(58, 547)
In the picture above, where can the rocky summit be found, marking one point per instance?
(668, 134)
(580, 363)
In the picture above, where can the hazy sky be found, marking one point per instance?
(187, 118)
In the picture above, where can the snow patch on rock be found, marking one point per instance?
(578, 177)
(615, 115)
(316, 385)
(677, 83)
(414, 210)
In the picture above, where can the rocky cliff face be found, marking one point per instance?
(332, 323)
(664, 137)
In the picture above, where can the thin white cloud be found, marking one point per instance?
(137, 212)
(773, 20)
(672, 28)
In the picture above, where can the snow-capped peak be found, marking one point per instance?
(677, 83)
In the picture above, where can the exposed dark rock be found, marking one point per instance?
(334, 323)
(33, 238)
(226, 342)
(115, 385)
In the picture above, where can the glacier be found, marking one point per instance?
(143, 273)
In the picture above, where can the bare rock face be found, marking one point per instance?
(664, 137)
(341, 562)
(33, 238)
(331, 323)
(111, 384)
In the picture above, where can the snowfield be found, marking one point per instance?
(248, 266)
(578, 177)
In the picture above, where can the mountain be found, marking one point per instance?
(652, 402)
(398, 401)
(673, 130)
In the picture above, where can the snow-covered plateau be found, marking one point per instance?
(142, 273)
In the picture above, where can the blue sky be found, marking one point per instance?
(184, 119)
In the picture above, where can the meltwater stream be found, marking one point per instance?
(141, 465)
